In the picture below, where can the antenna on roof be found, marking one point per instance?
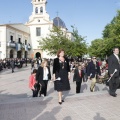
(57, 18)
(57, 13)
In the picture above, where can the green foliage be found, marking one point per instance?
(111, 38)
(97, 48)
(79, 46)
(58, 39)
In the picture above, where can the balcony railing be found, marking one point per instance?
(19, 46)
(29, 47)
(11, 44)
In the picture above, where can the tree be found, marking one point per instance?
(79, 46)
(58, 39)
(111, 38)
(97, 48)
(111, 32)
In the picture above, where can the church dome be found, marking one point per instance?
(59, 22)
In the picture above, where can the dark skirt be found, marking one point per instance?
(63, 84)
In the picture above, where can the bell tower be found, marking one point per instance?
(40, 24)
(39, 10)
(39, 7)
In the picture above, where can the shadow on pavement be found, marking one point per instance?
(66, 93)
(98, 117)
(83, 87)
(105, 88)
(27, 109)
(48, 115)
(67, 118)
(8, 97)
(97, 88)
(2, 91)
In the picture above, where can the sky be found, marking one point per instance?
(88, 16)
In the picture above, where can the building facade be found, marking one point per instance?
(21, 40)
(14, 41)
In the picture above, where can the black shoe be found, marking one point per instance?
(91, 90)
(60, 103)
(114, 95)
(63, 101)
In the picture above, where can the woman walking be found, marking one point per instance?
(42, 76)
(61, 74)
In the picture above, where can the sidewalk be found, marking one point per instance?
(16, 102)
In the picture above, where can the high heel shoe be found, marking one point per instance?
(60, 103)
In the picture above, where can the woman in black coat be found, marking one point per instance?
(61, 74)
(42, 76)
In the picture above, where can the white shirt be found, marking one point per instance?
(45, 75)
(117, 57)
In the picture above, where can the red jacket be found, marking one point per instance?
(32, 81)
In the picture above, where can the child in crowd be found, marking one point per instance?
(33, 85)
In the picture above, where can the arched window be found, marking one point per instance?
(41, 9)
(36, 10)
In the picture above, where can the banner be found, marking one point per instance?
(26, 47)
(18, 46)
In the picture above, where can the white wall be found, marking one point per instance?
(3, 42)
(17, 33)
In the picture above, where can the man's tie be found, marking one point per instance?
(80, 73)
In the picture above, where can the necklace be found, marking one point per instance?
(62, 62)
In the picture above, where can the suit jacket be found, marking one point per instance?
(56, 65)
(40, 73)
(12, 63)
(77, 77)
(113, 64)
(92, 70)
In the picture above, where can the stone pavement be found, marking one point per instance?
(16, 102)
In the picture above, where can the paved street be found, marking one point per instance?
(16, 102)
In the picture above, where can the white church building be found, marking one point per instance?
(21, 40)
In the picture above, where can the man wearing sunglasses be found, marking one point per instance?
(93, 71)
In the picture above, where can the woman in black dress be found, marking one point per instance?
(61, 74)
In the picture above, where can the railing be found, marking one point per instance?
(11, 44)
(29, 47)
(19, 46)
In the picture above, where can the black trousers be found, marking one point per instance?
(78, 87)
(113, 85)
(44, 87)
(12, 70)
(35, 93)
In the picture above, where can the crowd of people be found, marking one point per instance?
(83, 70)
(12, 63)
(93, 69)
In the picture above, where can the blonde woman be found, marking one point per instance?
(42, 76)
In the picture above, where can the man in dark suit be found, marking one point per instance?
(113, 63)
(12, 63)
(26, 61)
(78, 76)
(93, 72)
